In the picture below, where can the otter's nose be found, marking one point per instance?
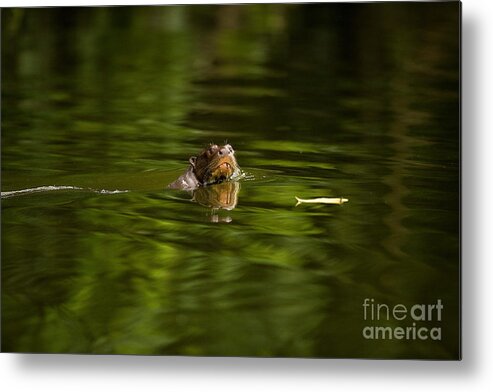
(224, 151)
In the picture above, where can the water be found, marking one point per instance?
(106, 105)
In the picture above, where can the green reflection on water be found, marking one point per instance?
(318, 100)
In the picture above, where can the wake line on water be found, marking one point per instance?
(50, 188)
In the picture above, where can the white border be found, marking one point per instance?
(88, 373)
(72, 3)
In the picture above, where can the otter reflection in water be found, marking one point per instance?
(207, 178)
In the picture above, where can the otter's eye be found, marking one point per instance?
(228, 146)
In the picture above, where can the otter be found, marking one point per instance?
(213, 165)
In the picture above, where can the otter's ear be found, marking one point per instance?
(192, 161)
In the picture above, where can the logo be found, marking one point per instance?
(401, 322)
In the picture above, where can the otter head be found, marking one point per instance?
(215, 164)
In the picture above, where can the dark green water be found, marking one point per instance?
(353, 101)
